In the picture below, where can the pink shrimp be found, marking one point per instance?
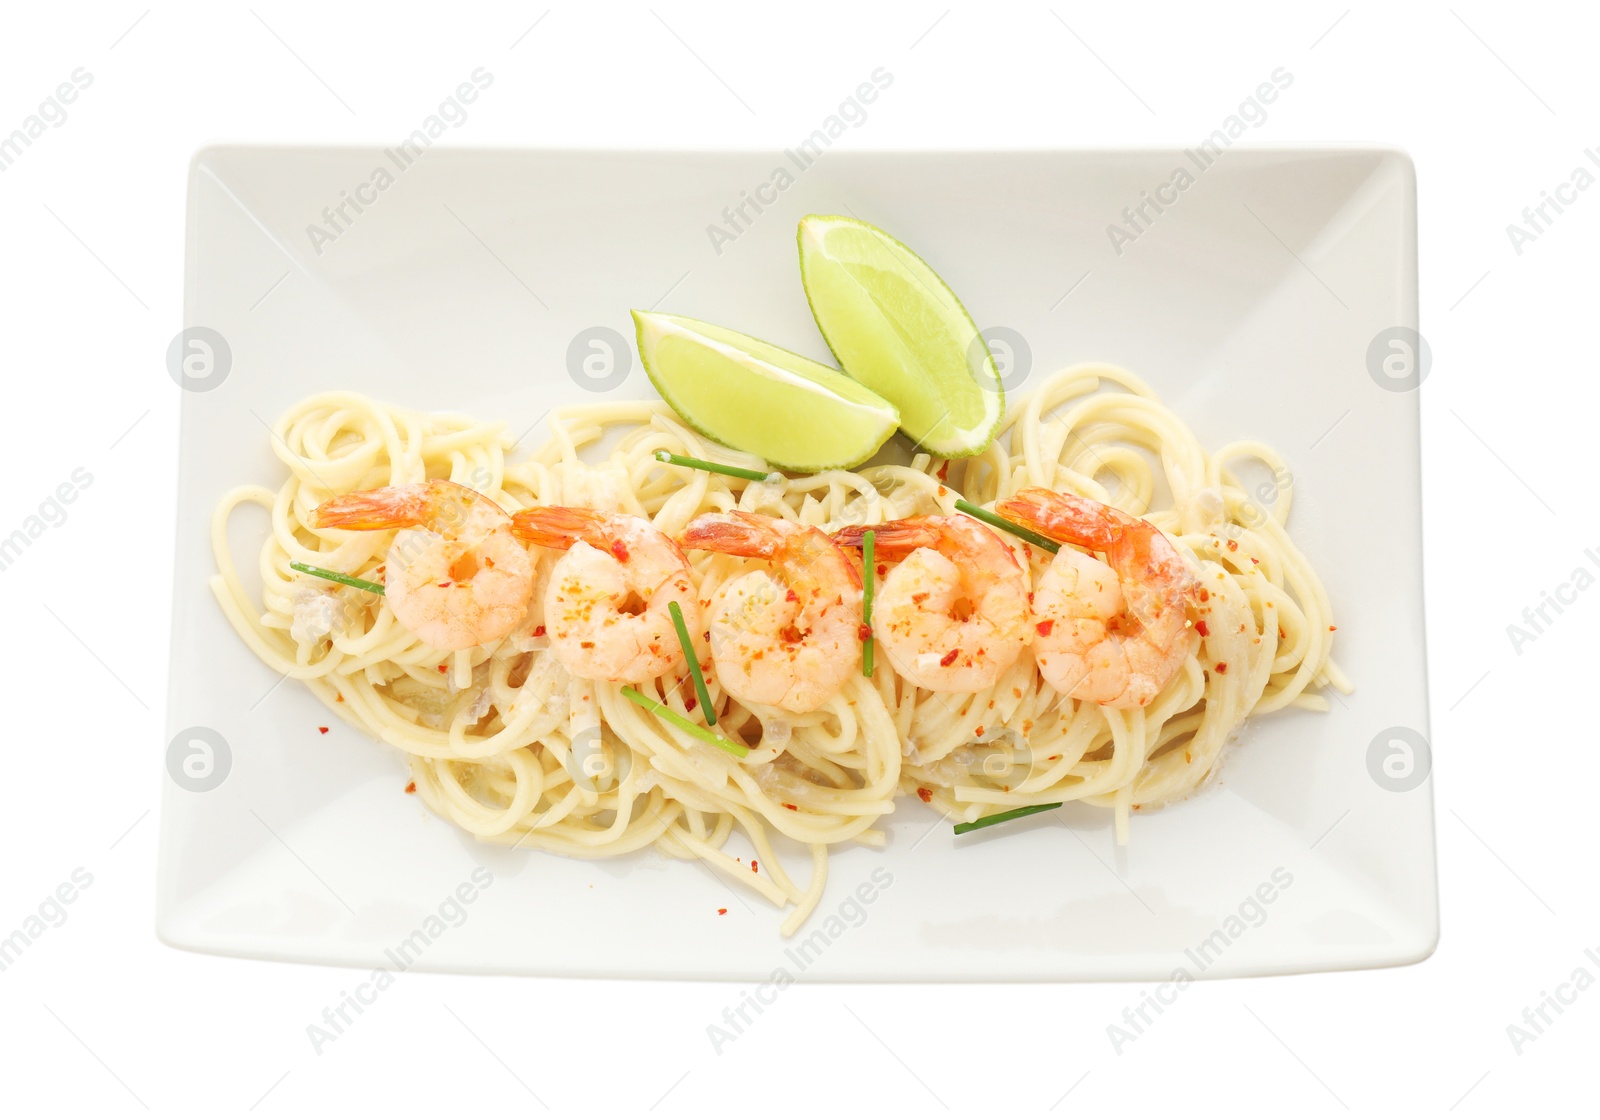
(455, 576)
(1113, 632)
(953, 614)
(606, 606)
(788, 636)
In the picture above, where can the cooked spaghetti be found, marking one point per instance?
(506, 743)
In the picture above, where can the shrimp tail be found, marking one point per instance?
(1065, 517)
(434, 502)
(559, 527)
(387, 507)
(893, 540)
(736, 533)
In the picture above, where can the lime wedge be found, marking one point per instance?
(898, 329)
(753, 396)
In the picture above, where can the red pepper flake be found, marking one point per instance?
(411, 787)
(586, 645)
(538, 631)
(943, 472)
(794, 808)
(1253, 560)
(949, 658)
(977, 732)
(620, 551)
(722, 910)
(864, 631)
(1202, 629)
(443, 668)
(1332, 628)
(1222, 666)
(1045, 627)
(1233, 546)
(925, 794)
(754, 866)
(338, 697)
(1204, 595)
(790, 596)
(942, 491)
(324, 730)
(689, 704)
(446, 583)
(882, 568)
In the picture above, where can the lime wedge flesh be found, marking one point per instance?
(753, 396)
(898, 329)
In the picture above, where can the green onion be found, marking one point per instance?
(714, 468)
(867, 540)
(1008, 815)
(337, 577)
(657, 708)
(1011, 527)
(694, 663)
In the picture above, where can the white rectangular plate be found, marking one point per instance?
(1249, 303)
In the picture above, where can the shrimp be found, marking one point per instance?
(606, 603)
(790, 636)
(1113, 632)
(455, 576)
(953, 614)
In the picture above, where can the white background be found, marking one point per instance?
(1495, 105)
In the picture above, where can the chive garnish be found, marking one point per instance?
(867, 573)
(1011, 527)
(1008, 815)
(337, 577)
(694, 663)
(714, 468)
(655, 707)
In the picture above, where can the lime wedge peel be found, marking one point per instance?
(897, 328)
(797, 414)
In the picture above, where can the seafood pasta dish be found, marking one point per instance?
(667, 643)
